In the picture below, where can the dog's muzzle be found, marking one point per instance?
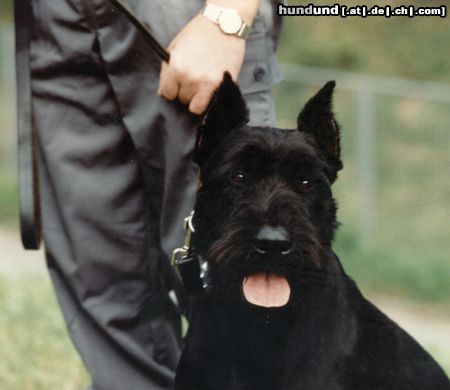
(266, 288)
(273, 239)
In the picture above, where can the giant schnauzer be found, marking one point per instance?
(279, 311)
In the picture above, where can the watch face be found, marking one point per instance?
(230, 22)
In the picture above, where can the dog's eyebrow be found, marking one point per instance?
(302, 156)
(247, 152)
(253, 156)
(244, 157)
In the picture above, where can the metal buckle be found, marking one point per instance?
(179, 253)
(193, 271)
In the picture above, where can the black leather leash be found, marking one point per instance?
(189, 275)
(30, 224)
(123, 6)
(193, 275)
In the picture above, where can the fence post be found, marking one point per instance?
(366, 156)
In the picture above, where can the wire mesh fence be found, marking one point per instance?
(394, 191)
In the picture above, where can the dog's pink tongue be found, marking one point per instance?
(265, 289)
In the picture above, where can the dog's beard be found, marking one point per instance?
(264, 279)
(238, 233)
(261, 279)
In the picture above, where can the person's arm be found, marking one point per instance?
(200, 54)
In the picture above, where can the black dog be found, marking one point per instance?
(279, 311)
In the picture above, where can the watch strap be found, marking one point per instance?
(212, 12)
(244, 31)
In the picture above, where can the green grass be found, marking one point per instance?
(35, 351)
(8, 199)
(6, 9)
(413, 274)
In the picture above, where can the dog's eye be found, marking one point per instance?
(305, 184)
(238, 177)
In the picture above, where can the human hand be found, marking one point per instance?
(199, 56)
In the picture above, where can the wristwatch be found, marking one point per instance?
(229, 21)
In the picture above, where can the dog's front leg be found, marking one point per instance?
(189, 374)
(205, 361)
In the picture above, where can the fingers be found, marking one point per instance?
(168, 83)
(199, 55)
(200, 101)
(186, 92)
(175, 85)
(192, 91)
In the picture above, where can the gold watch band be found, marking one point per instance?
(244, 31)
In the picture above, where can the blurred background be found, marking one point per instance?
(393, 103)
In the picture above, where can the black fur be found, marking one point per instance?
(327, 337)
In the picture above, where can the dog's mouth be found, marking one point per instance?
(266, 289)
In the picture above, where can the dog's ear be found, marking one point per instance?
(317, 119)
(227, 111)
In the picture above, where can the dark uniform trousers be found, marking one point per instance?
(116, 176)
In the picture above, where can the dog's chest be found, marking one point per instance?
(257, 340)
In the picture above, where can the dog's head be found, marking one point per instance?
(264, 210)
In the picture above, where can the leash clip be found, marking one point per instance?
(179, 253)
(188, 263)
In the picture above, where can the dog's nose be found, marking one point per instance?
(273, 239)
(273, 233)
